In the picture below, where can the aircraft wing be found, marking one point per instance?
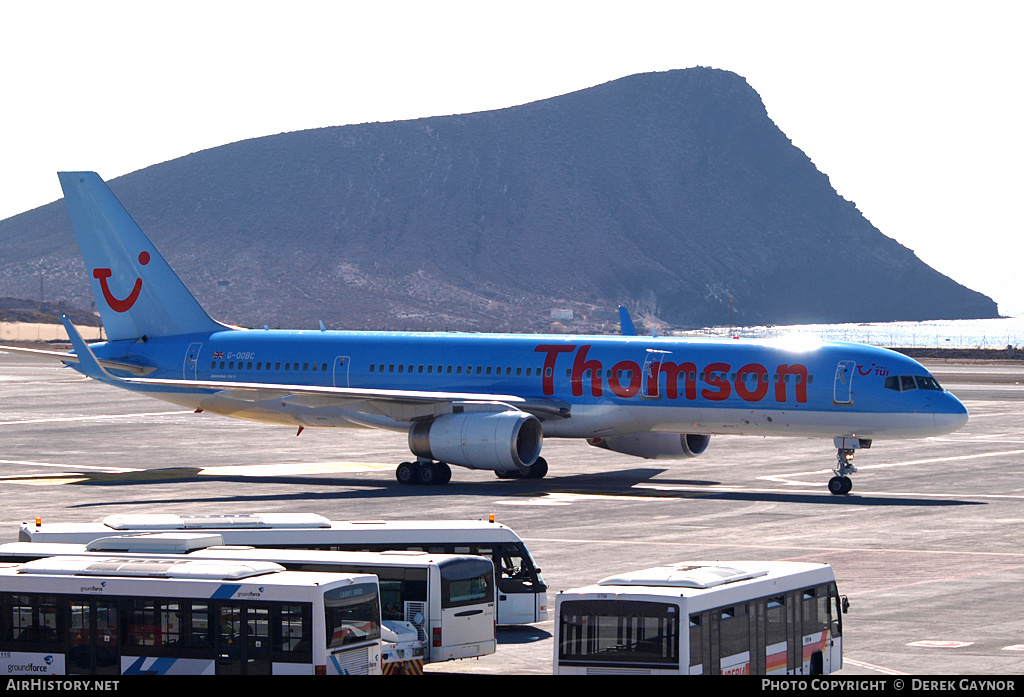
(402, 405)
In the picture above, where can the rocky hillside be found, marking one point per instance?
(672, 193)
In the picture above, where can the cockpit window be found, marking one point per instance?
(905, 383)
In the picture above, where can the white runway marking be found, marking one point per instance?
(871, 666)
(105, 417)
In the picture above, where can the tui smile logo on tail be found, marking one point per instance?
(116, 304)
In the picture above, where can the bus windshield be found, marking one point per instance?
(619, 632)
(353, 614)
(466, 582)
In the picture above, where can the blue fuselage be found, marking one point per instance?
(611, 384)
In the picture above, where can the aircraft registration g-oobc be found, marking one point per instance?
(476, 400)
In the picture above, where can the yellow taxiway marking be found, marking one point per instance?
(68, 466)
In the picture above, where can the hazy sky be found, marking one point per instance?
(912, 109)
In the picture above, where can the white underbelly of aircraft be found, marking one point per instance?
(601, 420)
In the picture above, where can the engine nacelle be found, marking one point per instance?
(655, 446)
(500, 441)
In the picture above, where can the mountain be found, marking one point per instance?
(672, 193)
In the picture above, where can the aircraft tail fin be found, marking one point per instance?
(626, 322)
(136, 291)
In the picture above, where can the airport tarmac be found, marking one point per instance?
(926, 547)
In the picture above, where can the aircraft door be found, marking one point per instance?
(651, 373)
(341, 371)
(191, 363)
(842, 392)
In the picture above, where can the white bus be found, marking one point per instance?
(448, 600)
(522, 593)
(116, 616)
(701, 618)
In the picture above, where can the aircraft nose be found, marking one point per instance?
(950, 413)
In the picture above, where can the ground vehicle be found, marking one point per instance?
(522, 593)
(119, 616)
(729, 618)
(446, 602)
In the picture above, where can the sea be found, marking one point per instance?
(997, 333)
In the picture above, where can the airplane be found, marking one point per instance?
(483, 401)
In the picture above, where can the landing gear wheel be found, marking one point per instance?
(836, 485)
(538, 469)
(406, 473)
(427, 474)
(442, 473)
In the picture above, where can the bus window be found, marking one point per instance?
(31, 619)
(775, 620)
(696, 644)
(734, 640)
(295, 628)
(815, 610)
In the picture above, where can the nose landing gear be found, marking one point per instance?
(841, 483)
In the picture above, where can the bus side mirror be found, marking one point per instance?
(846, 604)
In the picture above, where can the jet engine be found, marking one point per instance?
(501, 441)
(655, 446)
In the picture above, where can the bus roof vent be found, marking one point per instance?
(171, 521)
(156, 542)
(684, 575)
(206, 569)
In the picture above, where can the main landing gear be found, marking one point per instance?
(841, 484)
(429, 472)
(432, 472)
